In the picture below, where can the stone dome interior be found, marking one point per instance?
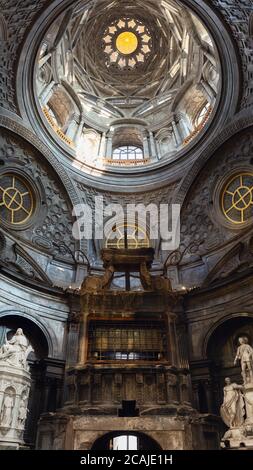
(129, 75)
(126, 212)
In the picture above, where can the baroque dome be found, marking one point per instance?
(129, 84)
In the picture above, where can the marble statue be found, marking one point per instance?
(7, 409)
(233, 409)
(15, 385)
(245, 356)
(15, 351)
(23, 410)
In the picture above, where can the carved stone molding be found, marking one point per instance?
(30, 137)
(242, 121)
(137, 177)
(17, 16)
(237, 14)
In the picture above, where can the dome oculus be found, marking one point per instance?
(127, 43)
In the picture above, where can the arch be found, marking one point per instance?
(131, 229)
(50, 337)
(145, 440)
(219, 323)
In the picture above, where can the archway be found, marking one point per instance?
(125, 440)
(8, 325)
(221, 351)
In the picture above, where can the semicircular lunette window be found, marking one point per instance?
(128, 153)
(237, 199)
(16, 200)
(127, 237)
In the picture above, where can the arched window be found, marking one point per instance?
(128, 152)
(127, 237)
(127, 442)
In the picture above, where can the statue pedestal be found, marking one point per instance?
(242, 436)
(15, 383)
(237, 438)
(248, 397)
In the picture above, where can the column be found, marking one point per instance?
(73, 330)
(109, 147)
(159, 150)
(185, 389)
(195, 388)
(209, 398)
(72, 127)
(47, 93)
(172, 340)
(83, 330)
(145, 147)
(79, 130)
(102, 146)
(176, 133)
(47, 384)
(172, 388)
(152, 146)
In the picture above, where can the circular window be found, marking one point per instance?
(16, 199)
(237, 198)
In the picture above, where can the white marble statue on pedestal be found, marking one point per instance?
(237, 407)
(233, 409)
(15, 351)
(245, 356)
(15, 382)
